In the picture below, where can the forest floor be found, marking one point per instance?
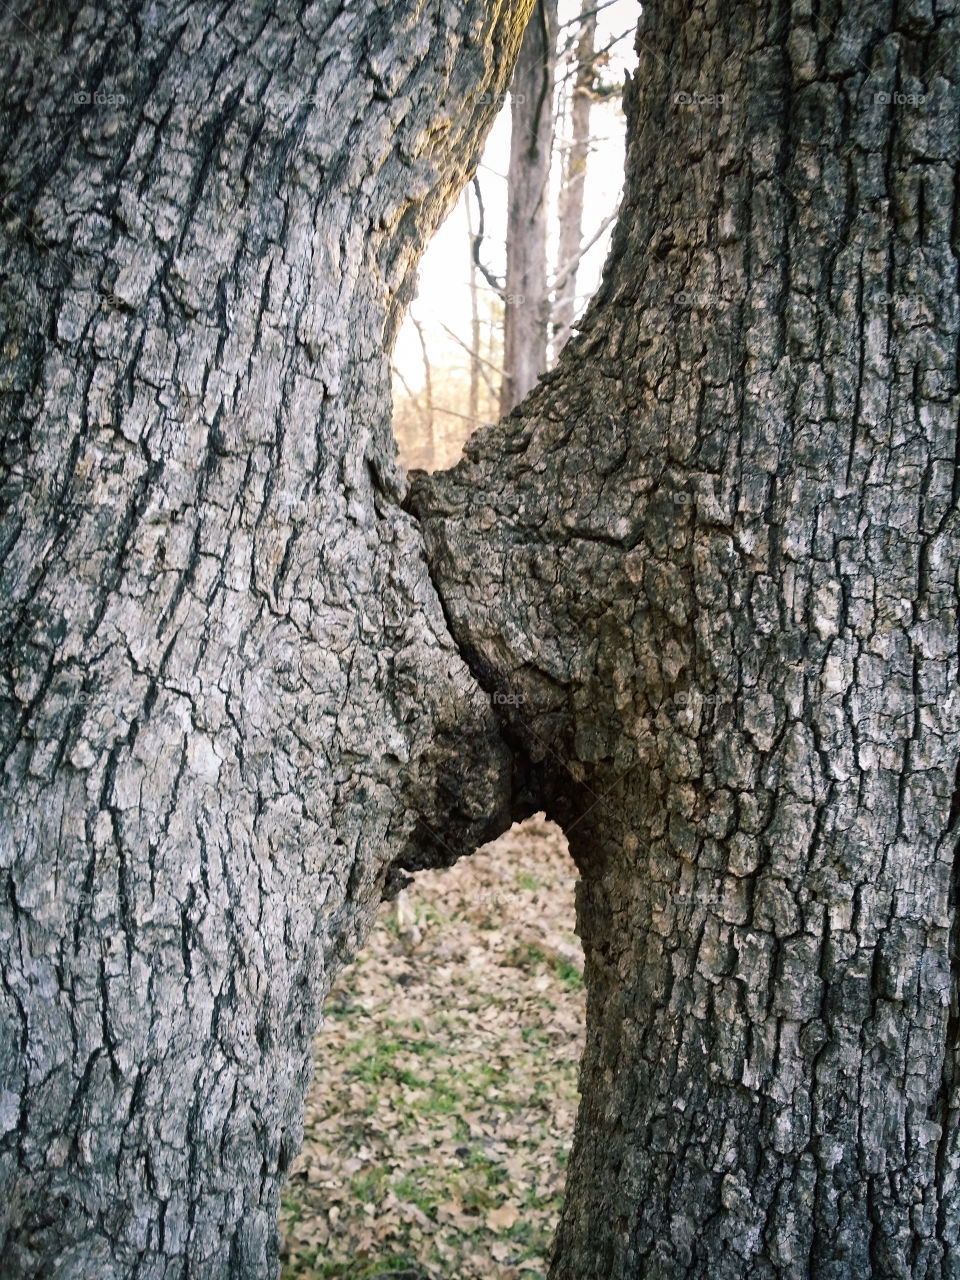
(438, 1127)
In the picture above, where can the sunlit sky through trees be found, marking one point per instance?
(444, 292)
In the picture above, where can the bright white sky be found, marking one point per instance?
(444, 295)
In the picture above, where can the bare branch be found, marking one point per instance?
(466, 346)
(590, 14)
(413, 396)
(495, 284)
(428, 381)
(483, 422)
(567, 271)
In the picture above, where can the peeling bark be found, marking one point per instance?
(230, 710)
(708, 571)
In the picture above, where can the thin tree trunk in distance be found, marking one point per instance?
(429, 445)
(570, 202)
(474, 402)
(526, 304)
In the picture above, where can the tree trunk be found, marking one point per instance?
(525, 303)
(230, 710)
(429, 443)
(473, 403)
(570, 203)
(709, 571)
(715, 554)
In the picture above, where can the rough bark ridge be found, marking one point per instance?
(711, 567)
(229, 706)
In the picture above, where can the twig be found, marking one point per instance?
(491, 279)
(566, 272)
(466, 348)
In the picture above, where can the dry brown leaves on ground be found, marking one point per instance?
(442, 1109)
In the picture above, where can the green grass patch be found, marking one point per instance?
(569, 974)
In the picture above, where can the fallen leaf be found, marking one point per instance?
(502, 1219)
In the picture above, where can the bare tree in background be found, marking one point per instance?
(570, 201)
(429, 444)
(526, 301)
(474, 400)
(529, 299)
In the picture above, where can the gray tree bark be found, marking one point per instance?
(230, 711)
(526, 304)
(709, 571)
(715, 553)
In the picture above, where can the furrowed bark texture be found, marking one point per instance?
(230, 711)
(709, 571)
